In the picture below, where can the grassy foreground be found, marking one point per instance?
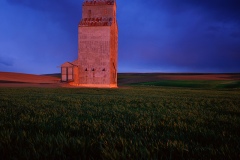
(127, 123)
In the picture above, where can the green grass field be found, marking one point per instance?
(155, 120)
(197, 84)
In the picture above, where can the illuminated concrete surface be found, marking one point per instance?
(96, 65)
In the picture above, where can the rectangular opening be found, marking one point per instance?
(89, 13)
(67, 74)
(70, 74)
(64, 74)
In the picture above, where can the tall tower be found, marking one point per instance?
(97, 44)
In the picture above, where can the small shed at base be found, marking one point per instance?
(69, 71)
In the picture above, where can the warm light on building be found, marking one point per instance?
(96, 65)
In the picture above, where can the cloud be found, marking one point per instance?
(45, 5)
(66, 13)
(6, 61)
(186, 34)
(235, 34)
(220, 10)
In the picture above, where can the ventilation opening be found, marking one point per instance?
(89, 13)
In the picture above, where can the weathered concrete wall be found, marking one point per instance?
(114, 52)
(97, 11)
(97, 46)
(94, 55)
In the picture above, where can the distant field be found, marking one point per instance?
(150, 120)
(8, 79)
(144, 78)
(207, 84)
(201, 81)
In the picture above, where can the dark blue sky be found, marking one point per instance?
(154, 35)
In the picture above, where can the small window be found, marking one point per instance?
(105, 12)
(93, 69)
(104, 69)
(86, 69)
(89, 13)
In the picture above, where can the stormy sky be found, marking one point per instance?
(154, 35)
